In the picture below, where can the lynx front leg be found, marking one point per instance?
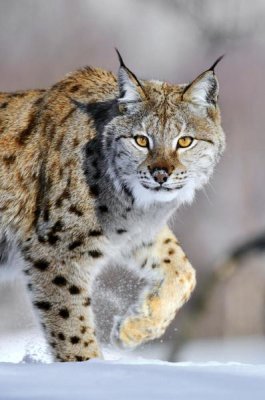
(174, 283)
(60, 294)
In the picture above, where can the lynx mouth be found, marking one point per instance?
(162, 188)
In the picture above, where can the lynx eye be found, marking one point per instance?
(185, 141)
(142, 141)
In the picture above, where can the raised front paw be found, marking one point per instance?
(133, 330)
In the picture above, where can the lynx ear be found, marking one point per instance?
(204, 89)
(131, 90)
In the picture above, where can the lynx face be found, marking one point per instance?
(165, 139)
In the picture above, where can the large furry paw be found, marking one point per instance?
(131, 331)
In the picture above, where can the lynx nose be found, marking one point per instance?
(160, 175)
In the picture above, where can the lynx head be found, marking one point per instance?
(162, 141)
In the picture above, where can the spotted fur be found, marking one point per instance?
(77, 193)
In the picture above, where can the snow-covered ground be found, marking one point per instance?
(25, 371)
(100, 380)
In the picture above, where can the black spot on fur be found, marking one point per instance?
(4, 105)
(74, 88)
(73, 209)
(61, 336)
(9, 160)
(64, 313)
(74, 290)
(91, 168)
(87, 302)
(121, 231)
(24, 135)
(64, 196)
(79, 358)
(46, 214)
(75, 244)
(74, 339)
(43, 305)
(59, 280)
(83, 330)
(89, 150)
(57, 227)
(95, 232)
(41, 264)
(94, 190)
(95, 253)
(103, 208)
(52, 239)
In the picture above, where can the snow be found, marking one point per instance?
(144, 380)
(28, 374)
(26, 371)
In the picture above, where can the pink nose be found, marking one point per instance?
(160, 175)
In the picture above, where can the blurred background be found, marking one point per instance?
(223, 232)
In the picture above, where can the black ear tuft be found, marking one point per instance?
(216, 62)
(131, 89)
(120, 58)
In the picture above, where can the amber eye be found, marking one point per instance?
(185, 141)
(141, 140)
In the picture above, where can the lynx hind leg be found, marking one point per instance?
(159, 303)
(60, 295)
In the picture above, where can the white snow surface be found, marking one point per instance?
(142, 380)
(27, 374)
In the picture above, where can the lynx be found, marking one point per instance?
(91, 170)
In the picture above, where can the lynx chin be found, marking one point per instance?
(91, 169)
